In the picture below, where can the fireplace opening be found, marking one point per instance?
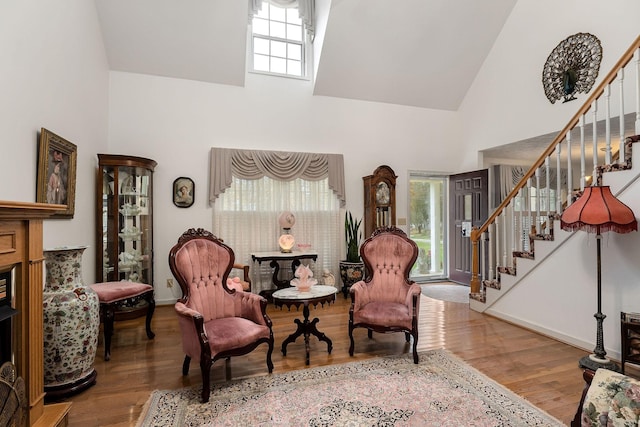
(7, 311)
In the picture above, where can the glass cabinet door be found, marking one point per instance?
(126, 219)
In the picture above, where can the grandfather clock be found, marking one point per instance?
(379, 199)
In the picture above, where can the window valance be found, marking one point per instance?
(283, 166)
(306, 11)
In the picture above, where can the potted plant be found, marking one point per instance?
(351, 269)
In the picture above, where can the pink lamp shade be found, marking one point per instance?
(598, 211)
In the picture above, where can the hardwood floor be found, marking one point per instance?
(542, 370)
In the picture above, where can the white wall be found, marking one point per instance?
(559, 298)
(53, 75)
(506, 102)
(176, 122)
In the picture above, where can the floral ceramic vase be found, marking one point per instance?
(350, 273)
(71, 324)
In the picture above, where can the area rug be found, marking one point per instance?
(447, 292)
(441, 390)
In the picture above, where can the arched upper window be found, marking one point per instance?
(279, 40)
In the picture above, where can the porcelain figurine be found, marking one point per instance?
(304, 278)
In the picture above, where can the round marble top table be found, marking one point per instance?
(317, 294)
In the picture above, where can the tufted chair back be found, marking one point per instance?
(389, 257)
(217, 318)
(201, 268)
(386, 300)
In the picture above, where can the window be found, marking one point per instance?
(246, 217)
(278, 41)
(427, 224)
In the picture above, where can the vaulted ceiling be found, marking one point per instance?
(423, 53)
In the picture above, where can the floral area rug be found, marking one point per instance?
(441, 390)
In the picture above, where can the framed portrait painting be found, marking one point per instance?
(57, 159)
(183, 192)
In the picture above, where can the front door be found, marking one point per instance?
(468, 207)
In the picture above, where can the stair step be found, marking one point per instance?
(507, 275)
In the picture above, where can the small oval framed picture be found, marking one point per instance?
(183, 192)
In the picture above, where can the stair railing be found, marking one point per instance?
(508, 228)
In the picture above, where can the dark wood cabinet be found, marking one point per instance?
(379, 199)
(630, 330)
(124, 239)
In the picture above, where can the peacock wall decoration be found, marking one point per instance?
(572, 67)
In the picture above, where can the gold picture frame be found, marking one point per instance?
(57, 159)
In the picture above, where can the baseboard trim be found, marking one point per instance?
(550, 333)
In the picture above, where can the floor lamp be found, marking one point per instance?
(598, 211)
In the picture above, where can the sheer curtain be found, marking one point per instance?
(246, 214)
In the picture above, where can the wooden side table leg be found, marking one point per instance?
(313, 330)
(292, 338)
(152, 306)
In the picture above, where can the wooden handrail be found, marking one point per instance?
(477, 233)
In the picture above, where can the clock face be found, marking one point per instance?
(383, 194)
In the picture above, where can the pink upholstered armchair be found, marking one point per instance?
(217, 319)
(386, 300)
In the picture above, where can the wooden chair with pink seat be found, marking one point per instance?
(217, 318)
(386, 300)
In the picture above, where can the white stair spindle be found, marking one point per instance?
(538, 223)
(607, 123)
(485, 245)
(637, 56)
(492, 242)
(558, 180)
(548, 195)
(569, 172)
(504, 236)
(527, 230)
(503, 248)
(583, 176)
(621, 156)
(517, 223)
(481, 263)
(594, 108)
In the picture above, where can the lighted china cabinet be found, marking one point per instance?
(124, 248)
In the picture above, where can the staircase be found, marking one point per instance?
(597, 144)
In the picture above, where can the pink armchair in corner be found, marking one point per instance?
(386, 300)
(217, 318)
